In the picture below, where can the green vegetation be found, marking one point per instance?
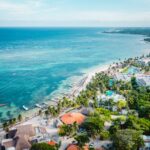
(125, 70)
(44, 146)
(11, 122)
(68, 130)
(127, 140)
(121, 104)
(82, 139)
(123, 127)
(104, 135)
(55, 111)
(20, 117)
(103, 113)
(140, 31)
(125, 130)
(93, 126)
(139, 124)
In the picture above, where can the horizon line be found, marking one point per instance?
(74, 26)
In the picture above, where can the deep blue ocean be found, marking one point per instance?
(35, 62)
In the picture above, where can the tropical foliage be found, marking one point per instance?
(82, 139)
(43, 146)
(127, 140)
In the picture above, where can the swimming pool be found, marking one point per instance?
(109, 93)
(133, 70)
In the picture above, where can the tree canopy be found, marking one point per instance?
(82, 139)
(127, 139)
(43, 146)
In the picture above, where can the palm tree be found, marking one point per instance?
(14, 120)
(40, 112)
(46, 113)
(82, 139)
(75, 127)
(20, 117)
(10, 122)
(5, 125)
(93, 125)
(121, 104)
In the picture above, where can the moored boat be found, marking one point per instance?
(37, 105)
(25, 108)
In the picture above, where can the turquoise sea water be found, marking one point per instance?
(35, 62)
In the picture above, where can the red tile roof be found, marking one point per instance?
(70, 118)
(52, 143)
(73, 147)
(76, 147)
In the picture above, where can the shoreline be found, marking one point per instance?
(71, 92)
(75, 90)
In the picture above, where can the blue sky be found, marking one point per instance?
(75, 13)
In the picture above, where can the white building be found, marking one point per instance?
(123, 77)
(115, 97)
(144, 61)
(143, 80)
(146, 142)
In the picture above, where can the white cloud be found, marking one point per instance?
(110, 16)
(24, 11)
(13, 8)
(38, 12)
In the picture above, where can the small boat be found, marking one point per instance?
(25, 108)
(45, 103)
(37, 105)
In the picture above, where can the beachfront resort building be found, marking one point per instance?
(22, 137)
(143, 80)
(127, 73)
(111, 95)
(122, 77)
(144, 61)
(104, 100)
